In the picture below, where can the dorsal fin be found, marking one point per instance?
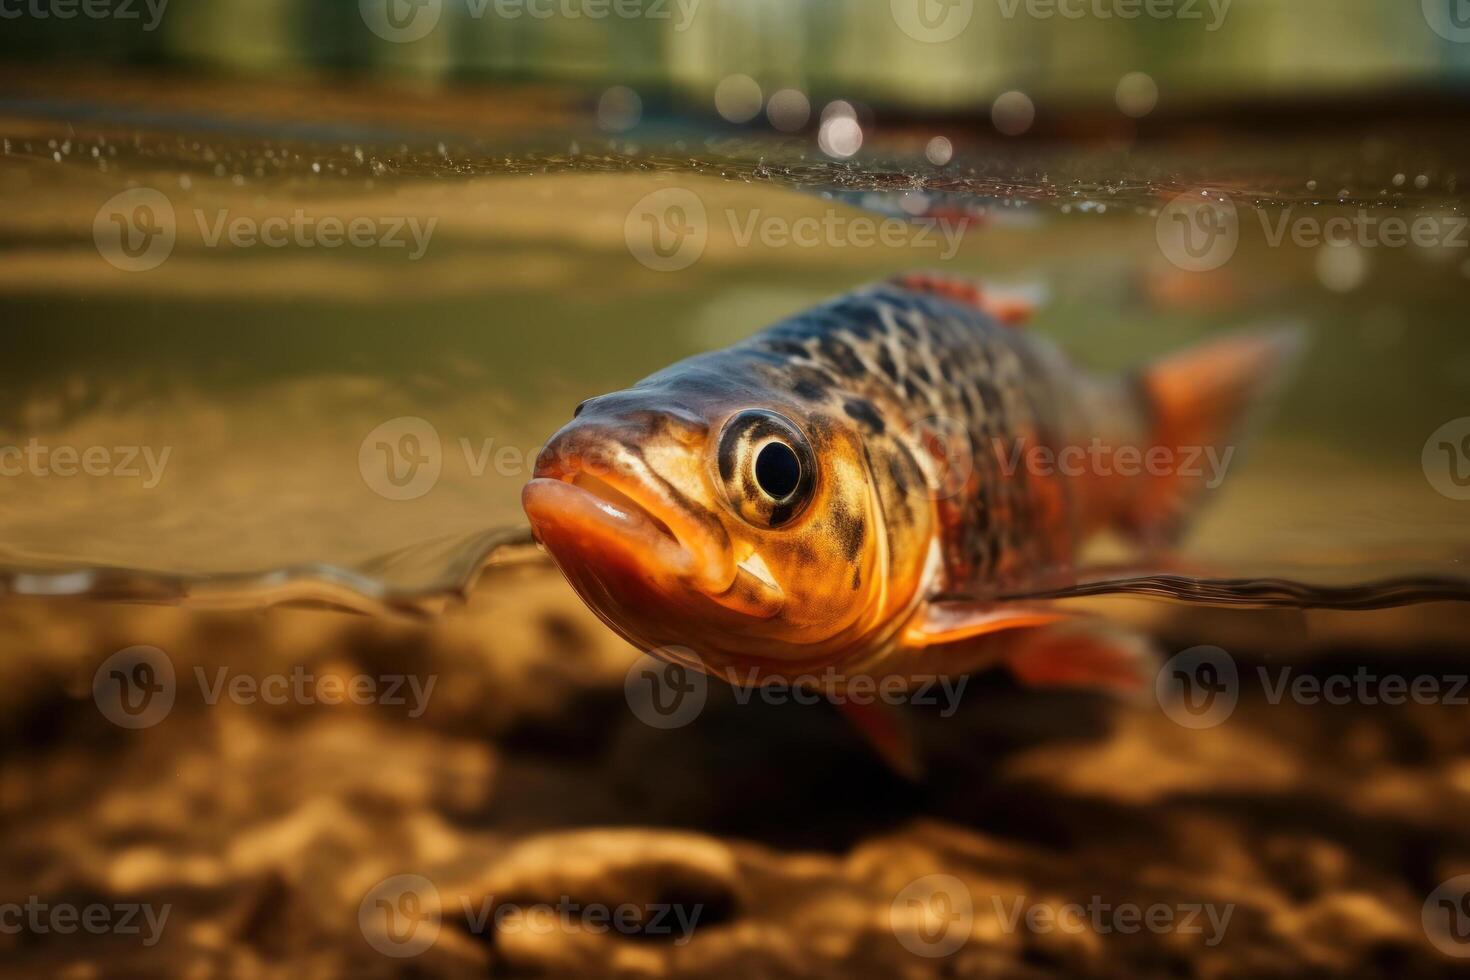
(1009, 310)
(1198, 397)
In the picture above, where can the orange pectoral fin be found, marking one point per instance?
(1088, 655)
(952, 638)
(945, 621)
(887, 731)
(1040, 644)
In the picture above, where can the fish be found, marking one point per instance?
(862, 489)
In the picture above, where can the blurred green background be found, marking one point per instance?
(1063, 49)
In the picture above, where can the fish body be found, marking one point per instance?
(816, 496)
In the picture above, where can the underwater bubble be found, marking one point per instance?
(788, 110)
(1013, 113)
(1137, 94)
(737, 98)
(840, 137)
(915, 203)
(619, 109)
(1341, 268)
(839, 108)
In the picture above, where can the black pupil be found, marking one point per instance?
(777, 469)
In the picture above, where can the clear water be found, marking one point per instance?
(277, 380)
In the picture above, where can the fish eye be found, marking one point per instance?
(766, 466)
(777, 469)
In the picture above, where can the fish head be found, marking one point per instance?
(700, 511)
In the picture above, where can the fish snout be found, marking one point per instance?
(593, 487)
(577, 448)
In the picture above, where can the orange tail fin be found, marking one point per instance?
(1198, 401)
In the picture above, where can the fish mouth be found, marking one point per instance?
(616, 515)
(592, 515)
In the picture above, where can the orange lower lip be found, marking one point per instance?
(571, 518)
